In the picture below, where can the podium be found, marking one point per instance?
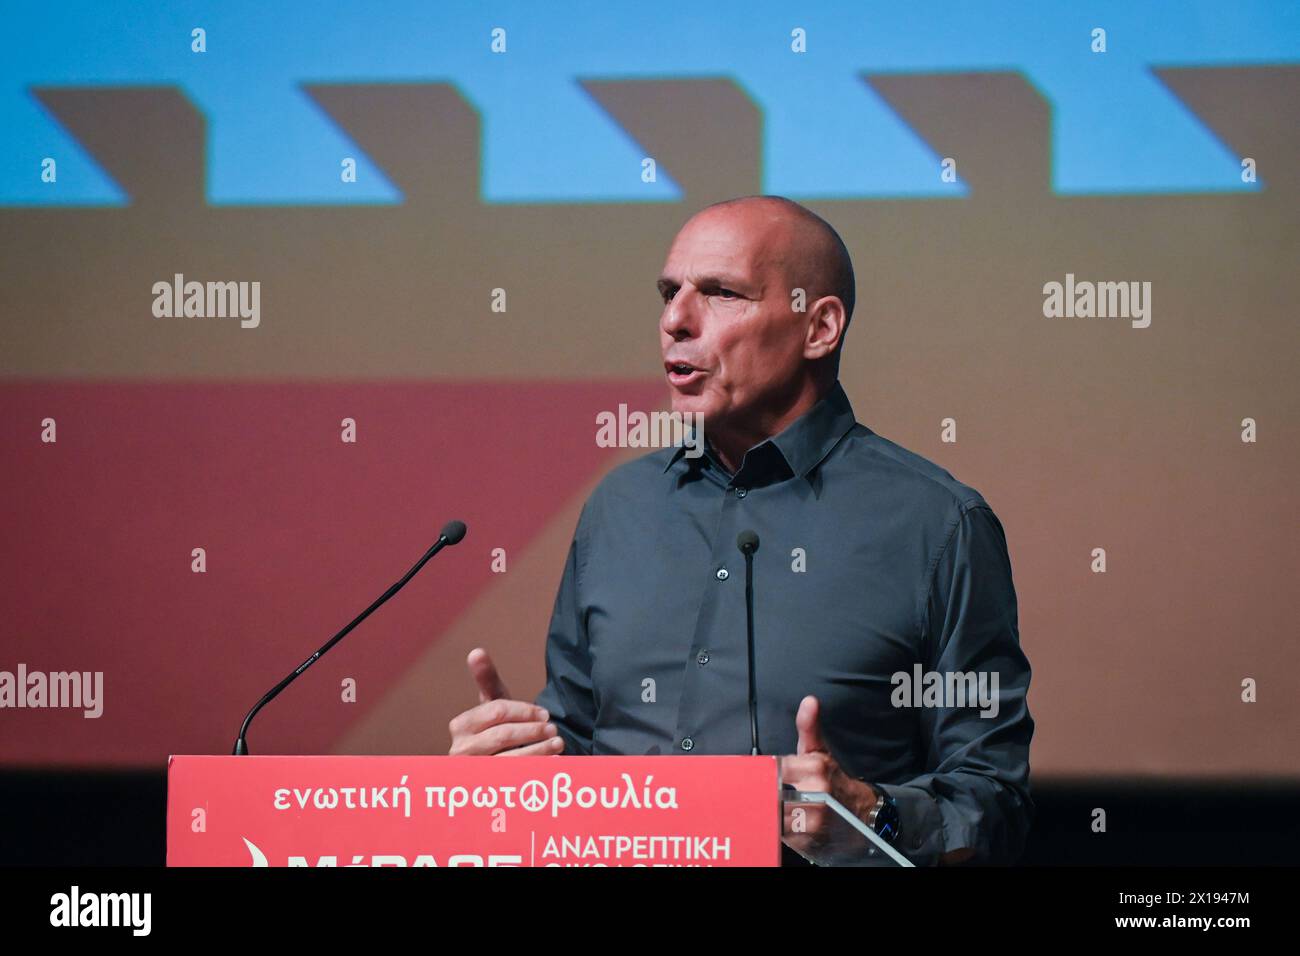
(422, 811)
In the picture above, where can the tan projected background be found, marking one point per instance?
(1081, 433)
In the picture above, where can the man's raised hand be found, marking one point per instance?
(500, 725)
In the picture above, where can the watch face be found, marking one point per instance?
(886, 823)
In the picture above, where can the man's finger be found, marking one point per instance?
(808, 723)
(798, 767)
(501, 736)
(480, 718)
(484, 672)
(806, 773)
(505, 736)
(552, 747)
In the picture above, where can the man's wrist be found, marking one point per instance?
(867, 802)
(883, 816)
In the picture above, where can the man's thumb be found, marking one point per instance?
(485, 676)
(808, 723)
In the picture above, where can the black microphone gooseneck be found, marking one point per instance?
(747, 542)
(452, 533)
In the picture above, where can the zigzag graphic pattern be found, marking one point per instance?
(827, 134)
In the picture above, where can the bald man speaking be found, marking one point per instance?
(887, 660)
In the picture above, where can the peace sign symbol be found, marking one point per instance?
(532, 795)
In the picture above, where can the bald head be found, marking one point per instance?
(815, 255)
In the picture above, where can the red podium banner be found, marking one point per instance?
(473, 811)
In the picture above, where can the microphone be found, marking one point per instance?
(452, 533)
(747, 542)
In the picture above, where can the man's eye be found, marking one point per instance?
(726, 293)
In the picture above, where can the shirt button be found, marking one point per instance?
(741, 492)
(688, 744)
(723, 574)
(703, 658)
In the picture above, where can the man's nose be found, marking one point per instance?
(678, 319)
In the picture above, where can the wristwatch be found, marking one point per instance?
(883, 818)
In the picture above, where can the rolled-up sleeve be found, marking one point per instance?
(975, 793)
(568, 695)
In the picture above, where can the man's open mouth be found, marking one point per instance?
(682, 373)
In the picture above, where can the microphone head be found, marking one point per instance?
(453, 532)
(747, 541)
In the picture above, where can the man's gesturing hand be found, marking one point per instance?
(815, 768)
(499, 725)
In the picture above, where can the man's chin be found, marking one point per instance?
(691, 405)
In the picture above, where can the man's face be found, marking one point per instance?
(732, 345)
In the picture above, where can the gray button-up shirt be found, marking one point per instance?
(882, 586)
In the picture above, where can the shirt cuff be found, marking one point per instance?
(920, 824)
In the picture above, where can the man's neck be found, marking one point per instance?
(731, 441)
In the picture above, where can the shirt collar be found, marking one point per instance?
(807, 441)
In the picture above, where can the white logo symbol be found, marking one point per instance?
(259, 858)
(532, 795)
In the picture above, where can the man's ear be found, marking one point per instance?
(825, 329)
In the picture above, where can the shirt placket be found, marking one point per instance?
(716, 664)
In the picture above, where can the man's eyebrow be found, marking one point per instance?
(703, 282)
